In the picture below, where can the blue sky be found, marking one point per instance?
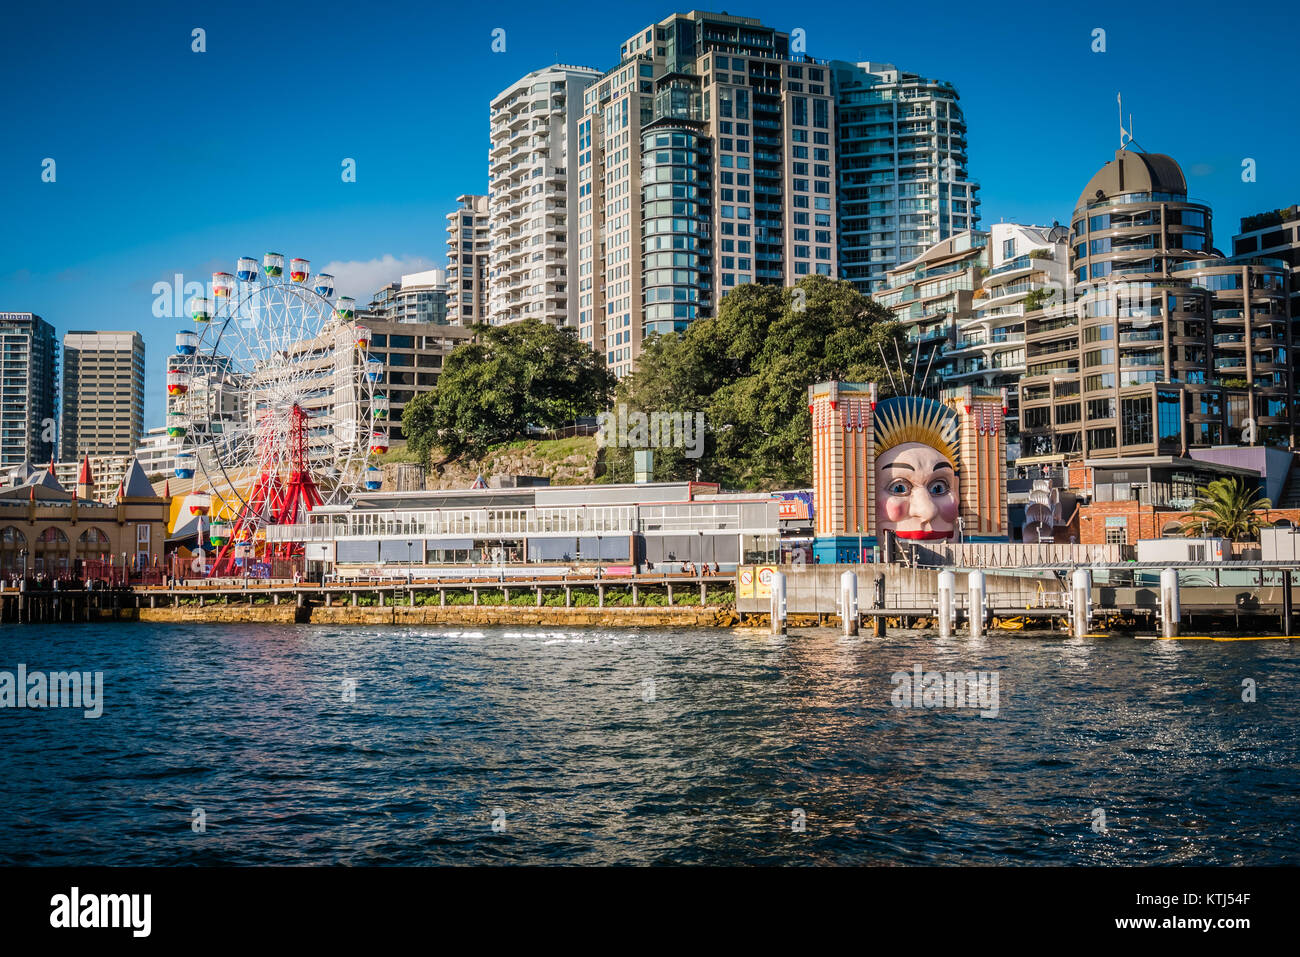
(170, 161)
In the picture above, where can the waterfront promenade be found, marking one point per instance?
(1119, 597)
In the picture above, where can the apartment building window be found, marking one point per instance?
(1009, 249)
(1099, 357)
(1135, 420)
(1101, 438)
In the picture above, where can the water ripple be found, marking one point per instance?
(441, 746)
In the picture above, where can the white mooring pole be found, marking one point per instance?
(975, 591)
(1081, 600)
(778, 603)
(849, 602)
(947, 602)
(1171, 611)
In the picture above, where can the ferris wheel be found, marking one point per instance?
(274, 399)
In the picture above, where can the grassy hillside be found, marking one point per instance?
(569, 461)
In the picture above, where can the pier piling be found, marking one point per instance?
(1171, 611)
(1081, 602)
(1286, 603)
(778, 603)
(976, 599)
(947, 602)
(849, 602)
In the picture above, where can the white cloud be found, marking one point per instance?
(361, 279)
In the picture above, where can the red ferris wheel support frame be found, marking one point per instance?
(284, 503)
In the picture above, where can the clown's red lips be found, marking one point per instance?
(923, 536)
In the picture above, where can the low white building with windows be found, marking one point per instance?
(513, 531)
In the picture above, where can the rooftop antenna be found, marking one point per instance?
(1126, 135)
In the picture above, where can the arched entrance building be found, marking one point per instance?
(48, 530)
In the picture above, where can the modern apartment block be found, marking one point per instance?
(705, 161)
(157, 454)
(417, 297)
(103, 394)
(903, 179)
(1167, 346)
(467, 261)
(1276, 235)
(1029, 269)
(106, 474)
(531, 194)
(931, 296)
(28, 389)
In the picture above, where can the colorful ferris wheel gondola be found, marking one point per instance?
(345, 309)
(219, 532)
(379, 441)
(324, 285)
(299, 269)
(184, 467)
(223, 285)
(187, 342)
(362, 338)
(374, 479)
(178, 382)
(200, 503)
(201, 309)
(273, 265)
(178, 425)
(379, 406)
(246, 269)
(375, 370)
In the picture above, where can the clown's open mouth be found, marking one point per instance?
(917, 535)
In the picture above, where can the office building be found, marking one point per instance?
(408, 358)
(103, 394)
(467, 261)
(531, 193)
(1168, 347)
(903, 181)
(28, 389)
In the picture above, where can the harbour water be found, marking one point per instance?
(304, 744)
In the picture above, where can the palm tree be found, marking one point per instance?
(1226, 508)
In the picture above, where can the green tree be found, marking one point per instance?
(747, 370)
(502, 381)
(1226, 508)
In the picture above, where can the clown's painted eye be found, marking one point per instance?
(939, 487)
(899, 488)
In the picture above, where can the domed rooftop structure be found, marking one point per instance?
(1131, 172)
